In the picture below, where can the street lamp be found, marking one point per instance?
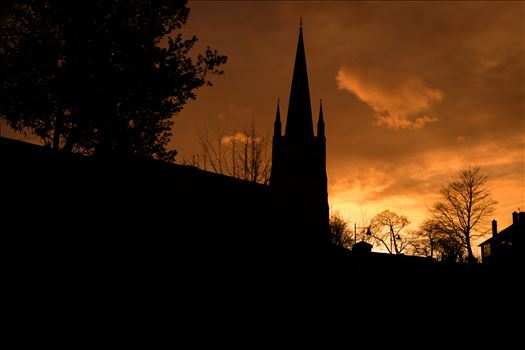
(368, 232)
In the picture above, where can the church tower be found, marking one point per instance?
(298, 179)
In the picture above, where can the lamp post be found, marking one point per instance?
(368, 232)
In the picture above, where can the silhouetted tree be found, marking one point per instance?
(450, 250)
(431, 241)
(387, 229)
(101, 76)
(340, 231)
(427, 238)
(243, 154)
(465, 205)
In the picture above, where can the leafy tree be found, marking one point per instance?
(388, 229)
(341, 233)
(431, 241)
(427, 239)
(102, 76)
(450, 250)
(466, 204)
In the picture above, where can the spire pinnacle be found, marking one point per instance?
(299, 121)
(300, 22)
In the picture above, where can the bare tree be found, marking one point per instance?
(341, 232)
(243, 154)
(466, 204)
(387, 230)
(212, 155)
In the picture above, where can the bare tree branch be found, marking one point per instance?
(388, 230)
(242, 154)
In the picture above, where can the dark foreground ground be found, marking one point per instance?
(107, 253)
(145, 298)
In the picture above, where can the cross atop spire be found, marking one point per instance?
(299, 121)
(300, 22)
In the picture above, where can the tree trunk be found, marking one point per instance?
(71, 140)
(471, 259)
(58, 130)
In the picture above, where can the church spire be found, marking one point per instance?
(299, 121)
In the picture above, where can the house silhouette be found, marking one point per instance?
(506, 246)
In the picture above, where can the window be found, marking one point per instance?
(485, 250)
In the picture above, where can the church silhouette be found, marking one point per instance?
(298, 179)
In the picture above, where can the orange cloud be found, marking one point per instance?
(400, 101)
(240, 137)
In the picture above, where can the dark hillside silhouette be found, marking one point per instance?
(150, 234)
(140, 240)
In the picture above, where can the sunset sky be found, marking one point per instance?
(412, 92)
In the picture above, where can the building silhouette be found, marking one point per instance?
(298, 179)
(507, 245)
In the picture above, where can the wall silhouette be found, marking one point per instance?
(130, 237)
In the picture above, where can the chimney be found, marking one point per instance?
(521, 218)
(494, 228)
(514, 218)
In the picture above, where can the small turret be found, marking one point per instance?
(277, 123)
(320, 122)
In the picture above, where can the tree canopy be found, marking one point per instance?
(102, 77)
(340, 231)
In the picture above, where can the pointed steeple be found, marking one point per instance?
(277, 123)
(320, 122)
(299, 121)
